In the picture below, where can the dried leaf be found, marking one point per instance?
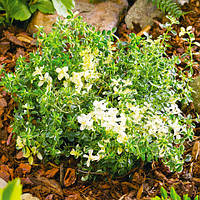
(13, 39)
(131, 185)
(197, 180)
(4, 47)
(146, 29)
(26, 181)
(1, 111)
(9, 139)
(51, 184)
(140, 191)
(3, 103)
(2, 58)
(160, 175)
(195, 150)
(9, 129)
(70, 177)
(19, 155)
(20, 52)
(23, 168)
(104, 186)
(51, 173)
(74, 197)
(5, 175)
(4, 159)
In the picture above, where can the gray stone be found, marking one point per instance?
(195, 84)
(182, 2)
(103, 15)
(142, 12)
(2, 183)
(28, 196)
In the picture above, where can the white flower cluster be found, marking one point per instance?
(156, 126)
(108, 118)
(82, 80)
(46, 78)
(120, 86)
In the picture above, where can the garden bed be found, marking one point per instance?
(143, 181)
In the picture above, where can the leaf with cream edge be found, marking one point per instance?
(62, 6)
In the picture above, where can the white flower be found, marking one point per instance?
(45, 78)
(173, 109)
(88, 62)
(76, 79)
(88, 86)
(127, 82)
(156, 125)
(62, 72)
(189, 28)
(136, 114)
(102, 148)
(86, 121)
(176, 126)
(119, 150)
(90, 74)
(65, 83)
(182, 32)
(101, 153)
(38, 71)
(120, 129)
(75, 153)
(99, 115)
(90, 157)
(112, 112)
(122, 138)
(100, 105)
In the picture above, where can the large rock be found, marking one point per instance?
(40, 19)
(103, 15)
(28, 196)
(195, 84)
(142, 12)
(2, 183)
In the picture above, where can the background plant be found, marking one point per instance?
(168, 6)
(173, 195)
(23, 9)
(12, 191)
(109, 104)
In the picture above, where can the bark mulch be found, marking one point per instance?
(49, 181)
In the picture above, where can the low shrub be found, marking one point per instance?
(109, 104)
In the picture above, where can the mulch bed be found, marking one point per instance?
(49, 181)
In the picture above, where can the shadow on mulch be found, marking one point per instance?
(50, 182)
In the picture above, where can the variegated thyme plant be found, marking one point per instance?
(107, 103)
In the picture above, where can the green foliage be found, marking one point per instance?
(173, 195)
(62, 6)
(45, 6)
(12, 191)
(23, 9)
(16, 9)
(168, 6)
(109, 104)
